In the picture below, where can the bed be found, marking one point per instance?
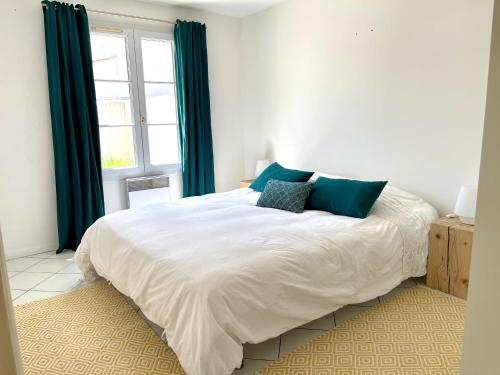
(217, 271)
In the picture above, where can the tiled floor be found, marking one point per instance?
(47, 274)
(42, 275)
(260, 355)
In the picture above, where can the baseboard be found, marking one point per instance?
(24, 252)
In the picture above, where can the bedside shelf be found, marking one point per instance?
(448, 264)
(246, 183)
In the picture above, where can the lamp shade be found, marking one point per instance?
(466, 204)
(260, 166)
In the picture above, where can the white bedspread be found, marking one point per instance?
(217, 271)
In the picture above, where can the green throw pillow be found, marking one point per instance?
(289, 196)
(345, 197)
(277, 172)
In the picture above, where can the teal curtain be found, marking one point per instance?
(193, 101)
(75, 126)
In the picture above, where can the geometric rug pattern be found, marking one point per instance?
(418, 332)
(92, 330)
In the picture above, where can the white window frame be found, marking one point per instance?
(138, 101)
(138, 36)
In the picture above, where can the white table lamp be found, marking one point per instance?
(466, 204)
(260, 166)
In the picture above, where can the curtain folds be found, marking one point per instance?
(75, 126)
(193, 101)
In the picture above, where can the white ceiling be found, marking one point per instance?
(233, 8)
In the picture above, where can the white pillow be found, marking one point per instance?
(389, 191)
(317, 174)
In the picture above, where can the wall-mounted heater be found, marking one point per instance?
(146, 190)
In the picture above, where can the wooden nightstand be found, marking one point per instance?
(450, 246)
(246, 183)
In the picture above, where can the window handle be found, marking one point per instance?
(143, 120)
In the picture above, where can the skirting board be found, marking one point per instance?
(11, 253)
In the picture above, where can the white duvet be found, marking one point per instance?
(217, 271)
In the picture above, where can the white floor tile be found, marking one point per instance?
(26, 281)
(296, 337)
(60, 283)
(407, 283)
(34, 295)
(251, 366)
(71, 268)
(268, 350)
(81, 283)
(16, 293)
(67, 254)
(327, 322)
(20, 264)
(43, 255)
(347, 313)
(50, 265)
(10, 274)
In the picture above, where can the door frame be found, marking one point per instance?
(10, 354)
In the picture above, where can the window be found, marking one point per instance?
(136, 101)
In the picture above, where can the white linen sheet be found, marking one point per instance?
(216, 271)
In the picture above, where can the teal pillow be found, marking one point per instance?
(289, 196)
(345, 197)
(277, 172)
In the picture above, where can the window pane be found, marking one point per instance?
(113, 103)
(163, 144)
(109, 57)
(117, 148)
(160, 103)
(157, 60)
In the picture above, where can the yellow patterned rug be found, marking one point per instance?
(92, 330)
(417, 332)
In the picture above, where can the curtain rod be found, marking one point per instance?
(125, 15)
(130, 16)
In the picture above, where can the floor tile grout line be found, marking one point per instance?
(43, 260)
(34, 286)
(27, 290)
(7, 263)
(60, 271)
(33, 256)
(37, 291)
(23, 293)
(50, 291)
(54, 272)
(50, 274)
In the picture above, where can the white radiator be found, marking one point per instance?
(146, 190)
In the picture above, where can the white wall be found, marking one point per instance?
(482, 331)
(307, 83)
(384, 89)
(27, 187)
